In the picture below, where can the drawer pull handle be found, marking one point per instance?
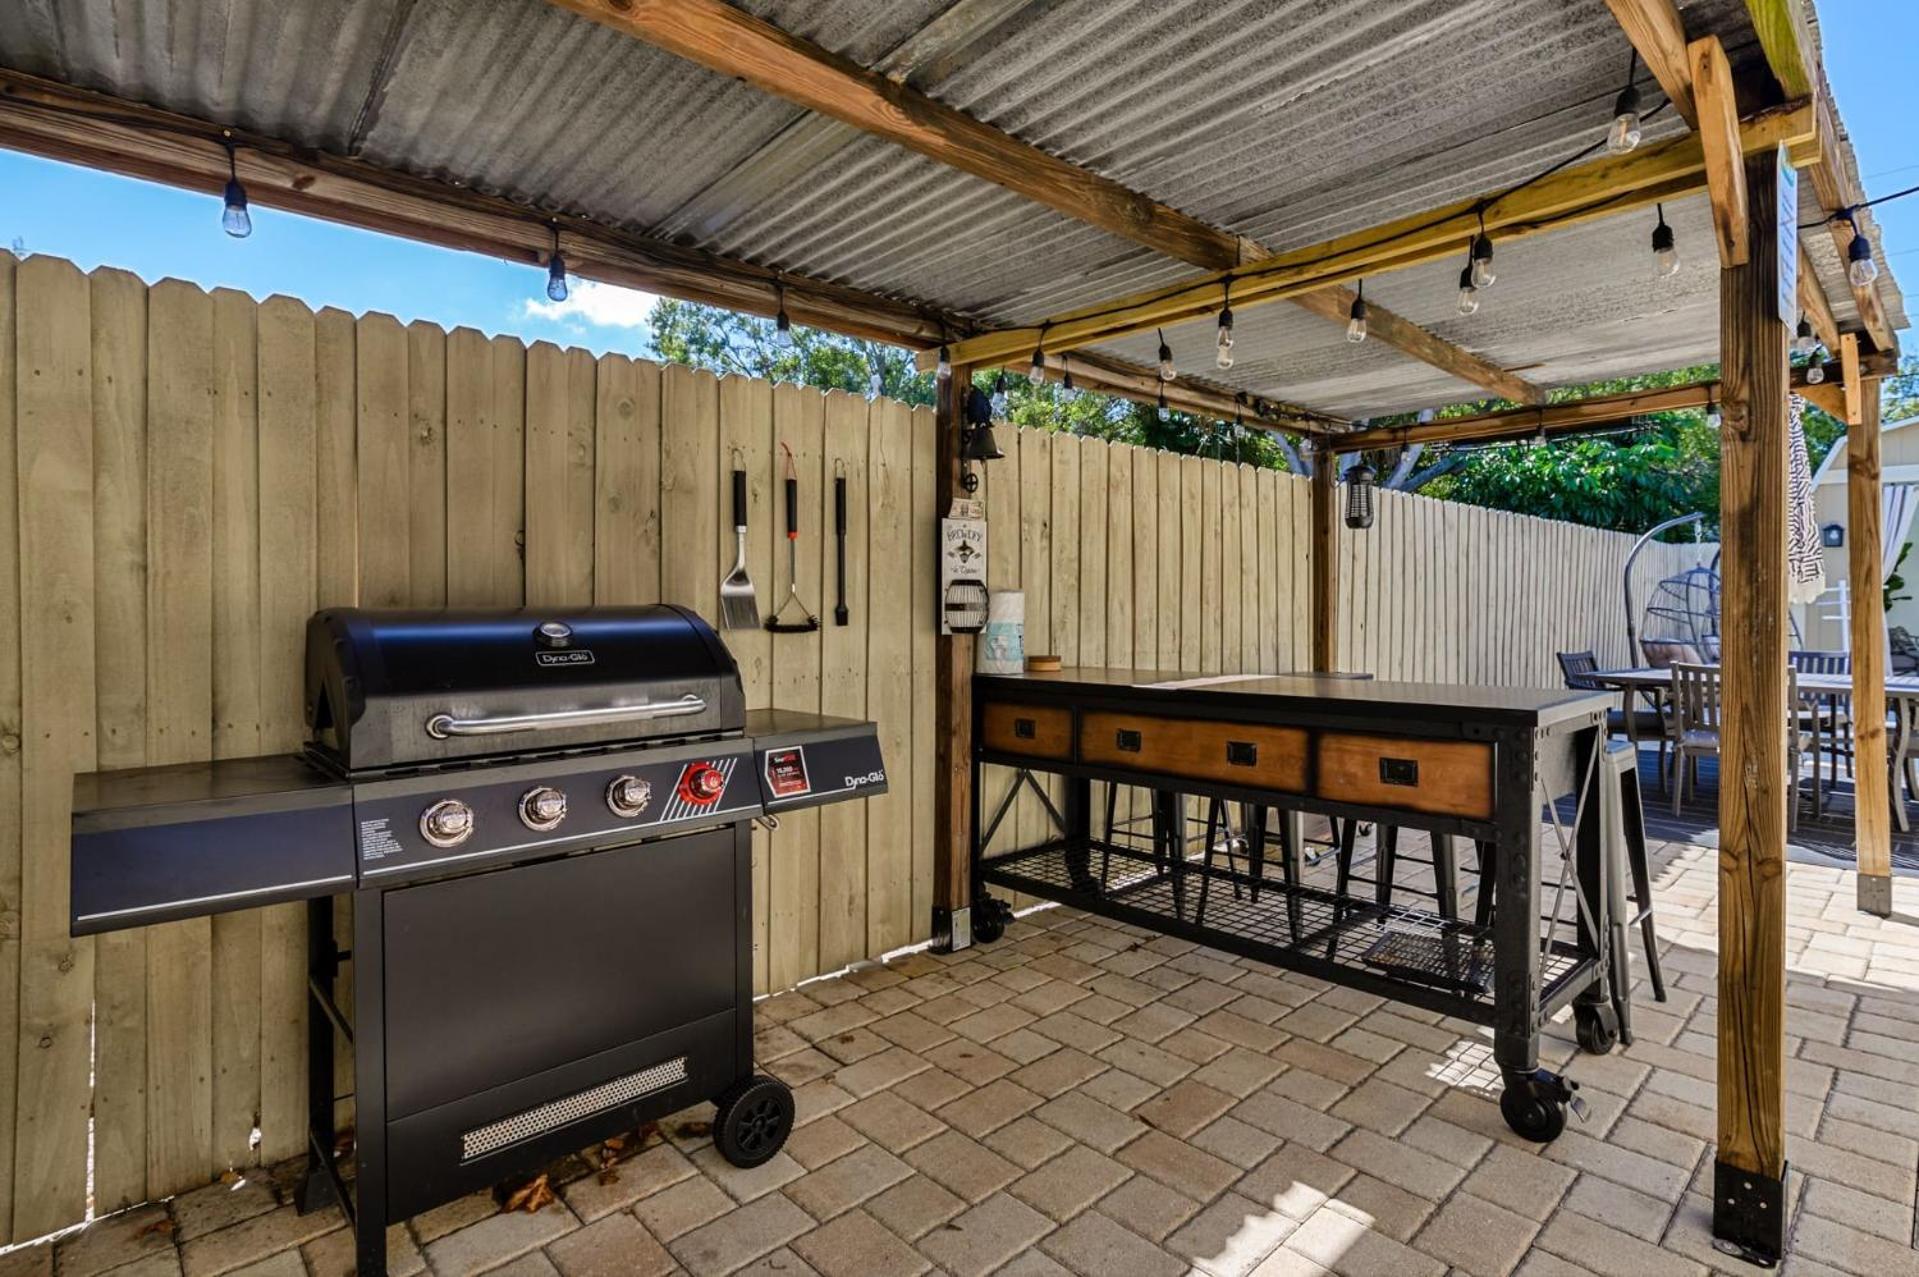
(1399, 771)
(1242, 753)
(1025, 728)
(1128, 740)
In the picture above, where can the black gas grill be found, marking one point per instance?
(544, 821)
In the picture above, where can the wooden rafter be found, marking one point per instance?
(46, 118)
(1655, 29)
(1601, 412)
(725, 39)
(1783, 35)
(1603, 188)
(1719, 136)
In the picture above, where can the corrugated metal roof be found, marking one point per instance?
(1286, 120)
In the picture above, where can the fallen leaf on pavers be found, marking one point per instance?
(610, 1160)
(693, 1130)
(650, 1135)
(229, 1176)
(162, 1227)
(532, 1196)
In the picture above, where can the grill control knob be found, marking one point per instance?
(702, 783)
(447, 823)
(542, 808)
(627, 796)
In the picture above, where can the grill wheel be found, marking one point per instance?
(753, 1121)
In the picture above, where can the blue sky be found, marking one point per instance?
(156, 231)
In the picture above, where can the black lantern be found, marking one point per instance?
(1360, 482)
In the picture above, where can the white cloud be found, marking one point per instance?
(591, 302)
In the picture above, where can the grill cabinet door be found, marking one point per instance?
(499, 976)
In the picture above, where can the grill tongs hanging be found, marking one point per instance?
(775, 623)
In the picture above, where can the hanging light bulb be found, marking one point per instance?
(556, 270)
(1803, 342)
(1624, 134)
(945, 366)
(782, 325)
(1816, 370)
(1166, 370)
(1712, 419)
(1483, 276)
(1860, 268)
(1066, 378)
(1356, 317)
(1468, 294)
(1665, 252)
(1000, 397)
(234, 218)
(1164, 415)
(1036, 371)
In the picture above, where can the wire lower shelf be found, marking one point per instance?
(1406, 954)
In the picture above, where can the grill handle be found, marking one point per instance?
(441, 726)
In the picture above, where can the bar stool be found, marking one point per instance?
(1623, 825)
(1386, 861)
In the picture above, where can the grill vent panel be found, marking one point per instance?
(557, 1113)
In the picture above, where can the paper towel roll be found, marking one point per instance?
(1002, 645)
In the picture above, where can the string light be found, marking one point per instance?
(1803, 342)
(1860, 268)
(1356, 317)
(1624, 134)
(1066, 377)
(1482, 256)
(1665, 252)
(556, 270)
(1816, 368)
(1036, 371)
(1468, 295)
(945, 365)
(1000, 396)
(1163, 413)
(1166, 370)
(234, 218)
(1223, 343)
(783, 324)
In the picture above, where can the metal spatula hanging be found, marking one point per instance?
(792, 600)
(739, 606)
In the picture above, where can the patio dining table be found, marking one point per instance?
(1814, 688)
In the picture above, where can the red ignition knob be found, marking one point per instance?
(702, 783)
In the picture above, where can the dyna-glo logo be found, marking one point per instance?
(568, 656)
(875, 777)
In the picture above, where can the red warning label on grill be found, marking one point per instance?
(786, 772)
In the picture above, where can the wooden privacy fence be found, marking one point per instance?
(185, 476)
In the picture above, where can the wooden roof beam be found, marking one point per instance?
(1719, 136)
(1787, 42)
(1601, 412)
(1603, 188)
(727, 40)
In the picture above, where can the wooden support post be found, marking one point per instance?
(1872, 821)
(1324, 599)
(953, 706)
(1749, 1174)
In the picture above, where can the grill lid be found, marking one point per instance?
(407, 687)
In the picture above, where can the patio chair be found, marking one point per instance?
(1698, 720)
(1647, 722)
(1829, 713)
(1905, 651)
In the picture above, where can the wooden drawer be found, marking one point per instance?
(1442, 778)
(1037, 731)
(1229, 753)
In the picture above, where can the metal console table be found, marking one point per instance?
(1492, 765)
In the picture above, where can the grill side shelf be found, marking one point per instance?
(807, 760)
(157, 844)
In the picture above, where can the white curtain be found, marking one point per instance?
(1898, 502)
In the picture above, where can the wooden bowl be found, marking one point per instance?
(1043, 664)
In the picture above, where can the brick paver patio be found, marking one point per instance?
(1083, 1099)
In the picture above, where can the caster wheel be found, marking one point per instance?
(1530, 1116)
(1596, 1029)
(753, 1121)
(990, 916)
